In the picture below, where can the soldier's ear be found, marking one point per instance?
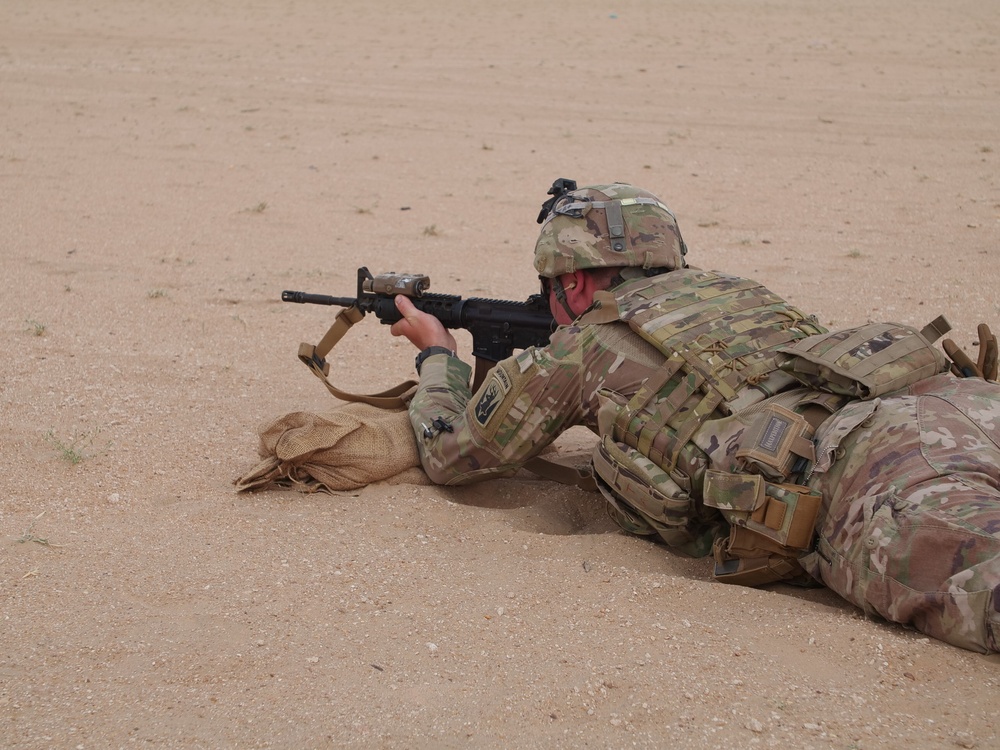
(580, 287)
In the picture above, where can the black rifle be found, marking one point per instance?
(498, 326)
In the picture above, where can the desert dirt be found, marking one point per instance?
(167, 169)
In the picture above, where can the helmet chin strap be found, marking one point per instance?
(560, 291)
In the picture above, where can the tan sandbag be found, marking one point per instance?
(347, 448)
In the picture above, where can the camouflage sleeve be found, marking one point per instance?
(525, 402)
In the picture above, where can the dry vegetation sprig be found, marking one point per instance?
(36, 328)
(29, 535)
(74, 451)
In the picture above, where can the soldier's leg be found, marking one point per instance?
(911, 525)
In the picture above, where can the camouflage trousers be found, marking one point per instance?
(910, 523)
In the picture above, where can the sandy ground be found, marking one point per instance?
(167, 169)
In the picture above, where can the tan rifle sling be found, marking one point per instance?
(314, 358)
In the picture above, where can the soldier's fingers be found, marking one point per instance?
(410, 320)
(403, 326)
(968, 368)
(421, 328)
(404, 305)
(987, 352)
(984, 337)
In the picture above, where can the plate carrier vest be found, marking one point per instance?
(721, 336)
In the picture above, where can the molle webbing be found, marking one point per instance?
(869, 360)
(719, 334)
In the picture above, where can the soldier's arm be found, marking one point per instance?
(524, 403)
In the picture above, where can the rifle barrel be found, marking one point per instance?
(305, 298)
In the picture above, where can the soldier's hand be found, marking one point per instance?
(421, 329)
(963, 366)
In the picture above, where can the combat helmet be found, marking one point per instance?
(605, 226)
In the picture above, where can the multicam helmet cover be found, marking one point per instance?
(606, 226)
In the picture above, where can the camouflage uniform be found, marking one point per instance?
(909, 524)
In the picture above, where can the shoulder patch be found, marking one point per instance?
(502, 378)
(496, 388)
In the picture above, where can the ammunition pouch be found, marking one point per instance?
(641, 483)
(743, 570)
(771, 525)
(775, 441)
(645, 500)
(867, 361)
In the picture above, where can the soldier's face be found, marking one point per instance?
(577, 297)
(558, 312)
